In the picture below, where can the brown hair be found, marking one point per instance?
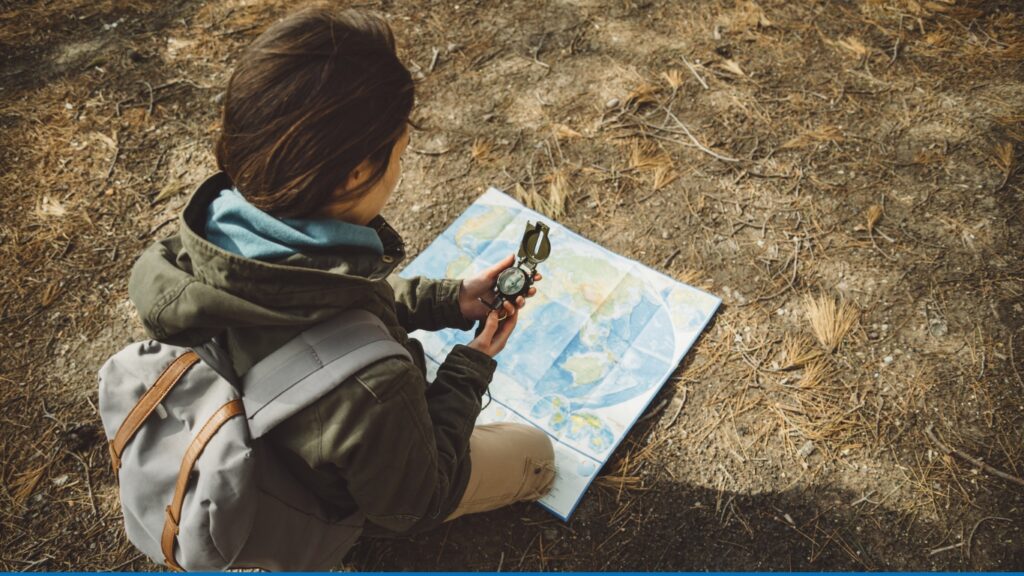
(310, 99)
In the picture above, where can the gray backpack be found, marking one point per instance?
(199, 488)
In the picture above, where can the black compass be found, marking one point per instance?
(516, 280)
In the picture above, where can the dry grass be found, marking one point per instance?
(798, 350)
(820, 135)
(754, 146)
(551, 199)
(481, 150)
(831, 319)
(652, 159)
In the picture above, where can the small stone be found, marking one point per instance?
(806, 450)
(887, 360)
(611, 103)
(665, 235)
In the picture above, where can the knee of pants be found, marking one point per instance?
(537, 444)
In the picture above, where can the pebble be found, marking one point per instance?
(887, 359)
(806, 450)
(665, 235)
(612, 103)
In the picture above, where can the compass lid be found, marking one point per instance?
(535, 247)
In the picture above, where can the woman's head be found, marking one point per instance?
(313, 113)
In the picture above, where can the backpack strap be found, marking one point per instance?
(195, 449)
(312, 364)
(145, 406)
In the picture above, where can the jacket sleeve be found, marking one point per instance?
(425, 304)
(400, 449)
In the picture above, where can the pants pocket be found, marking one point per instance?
(538, 477)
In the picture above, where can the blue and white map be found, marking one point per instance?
(590, 350)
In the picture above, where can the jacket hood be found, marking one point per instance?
(187, 290)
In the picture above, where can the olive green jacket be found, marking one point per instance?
(382, 441)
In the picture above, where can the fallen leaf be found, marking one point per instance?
(564, 132)
(49, 294)
(51, 208)
(732, 67)
(873, 216)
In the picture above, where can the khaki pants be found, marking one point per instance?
(509, 463)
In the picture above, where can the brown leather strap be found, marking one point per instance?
(145, 406)
(195, 449)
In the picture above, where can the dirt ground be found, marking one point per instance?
(846, 175)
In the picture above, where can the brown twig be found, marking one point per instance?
(441, 152)
(149, 109)
(971, 459)
(113, 161)
(88, 483)
(440, 551)
(695, 74)
(654, 411)
(1013, 363)
(671, 257)
(682, 403)
(970, 538)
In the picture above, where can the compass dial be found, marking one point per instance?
(511, 281)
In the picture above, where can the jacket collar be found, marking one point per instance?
(315, 277)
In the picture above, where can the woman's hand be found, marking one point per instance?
(495, 333)
(482, 286)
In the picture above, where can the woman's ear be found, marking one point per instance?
(359, 175)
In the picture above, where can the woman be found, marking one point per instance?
(289, 234)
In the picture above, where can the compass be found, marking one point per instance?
(515, 281)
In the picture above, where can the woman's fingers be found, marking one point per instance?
(505, 262)
(490, 326)
(505, 330)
